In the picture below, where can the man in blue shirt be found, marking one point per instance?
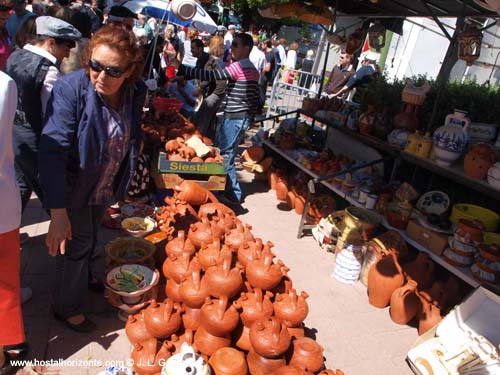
(17, 18)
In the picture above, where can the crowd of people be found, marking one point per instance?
(74, 79)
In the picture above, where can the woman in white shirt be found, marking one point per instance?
(290, 61)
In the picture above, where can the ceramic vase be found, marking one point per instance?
(405, 304)
(451, 139)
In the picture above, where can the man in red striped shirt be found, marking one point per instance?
(242, 98)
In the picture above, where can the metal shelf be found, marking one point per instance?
(462, 272)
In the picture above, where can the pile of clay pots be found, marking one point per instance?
(227, 296)
(411, 291)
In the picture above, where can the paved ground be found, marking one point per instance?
(357, 337)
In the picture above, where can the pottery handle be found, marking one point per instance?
(222, 307)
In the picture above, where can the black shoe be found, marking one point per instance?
(96, 286)
(17, 352)
(84, 327)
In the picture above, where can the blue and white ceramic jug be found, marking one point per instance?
(450, 140)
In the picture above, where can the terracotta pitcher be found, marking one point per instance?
(307, 354)
(250, 250)
(162, 319)
(430, 314)
(209, 254)
(281, 189)
(207, 343)
(238, 236)
(259, 365)
(405, 304)
(193, 289)
(191, 318)
(147, 358)
(193, 193)
(203, 232)
(242, 338)
(254, 305)
(179, 245)
(224, 280)
(291, 308)
(218, 317)
(421, 270)
(183, 215)
(172, 290)
(228, 361)
(263, 273)
(479, 159)
(384, 277)
(269, 337)
(176, 268)
(135, 328)
(209, 210)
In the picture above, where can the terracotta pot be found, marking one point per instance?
(135, 328)
(430, 314)
(251, 250)
(390, 240)
(254, 305)
(242, 338)
(272, 178)
(470, 231)
(209, 210)
(193, 289)
(238, 236)
(421, 270)
(269, 337)
(179, 245)
(405, 304)
(384, 277)
(203, 232)
(222, 280)
(207, 343)
(307, 354)
(176, 268)
(296, 332)
(300, 203)
(147, 359)
(218, 317)
(172, 290)
(193, 193)
(259, 365)
(263, 273)
(191, 318)
(291, 308)
(281, 190)
(479, 159)
(290, 370)
(291, 196)
(228, 361)
(209, 254)
(162, 319)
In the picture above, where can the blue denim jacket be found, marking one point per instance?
(73, 142)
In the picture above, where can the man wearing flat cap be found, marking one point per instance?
(122, 17)
(34, 68)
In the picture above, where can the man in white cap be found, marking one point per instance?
(365, 73)
(228, 40)
(34, 68)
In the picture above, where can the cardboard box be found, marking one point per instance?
(438, 350)
(166, 174)
(436, 242)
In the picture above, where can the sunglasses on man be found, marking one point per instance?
(109, 70)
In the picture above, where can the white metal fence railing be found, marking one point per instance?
(288, 90)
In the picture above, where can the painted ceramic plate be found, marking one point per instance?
(434, 202)
(422, 221)
(131, 279)
(136, 209)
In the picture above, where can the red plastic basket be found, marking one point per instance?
(166, 103)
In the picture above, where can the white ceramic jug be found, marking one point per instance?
(187, 362)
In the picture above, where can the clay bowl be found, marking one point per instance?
(129, 250)
(131, 281)
(228, 361)
(138, 226)
(471, 230)
(490, 252)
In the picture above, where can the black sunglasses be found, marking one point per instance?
(109, 70)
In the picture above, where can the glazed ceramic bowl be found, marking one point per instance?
(489, 218)
(461, 248)
(129, 250)
(471, 231)
(457, 260)
(491, 238)
(136, 209)
(138, 226)
(482, 132)
(131, 281)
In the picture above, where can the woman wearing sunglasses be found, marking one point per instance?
(87, 157)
